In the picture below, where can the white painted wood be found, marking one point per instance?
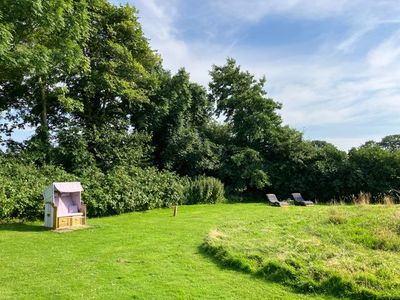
(48, 215)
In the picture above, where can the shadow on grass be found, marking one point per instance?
(22, 227)
(223, 260)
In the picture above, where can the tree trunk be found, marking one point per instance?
(44, 125)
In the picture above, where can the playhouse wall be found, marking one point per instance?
(76, 198)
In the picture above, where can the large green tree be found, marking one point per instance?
(123, 67)
(243, 102)
(41, 46)
(123, 74)
(252, 118)
(391, 142)
(178, 116)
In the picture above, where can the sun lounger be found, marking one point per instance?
(298, 200)
(275, 202)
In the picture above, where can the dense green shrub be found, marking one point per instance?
(375, 171)
(205, 190)
(122, 189)
(125, 189)
(21, 188)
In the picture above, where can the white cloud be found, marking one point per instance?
(253, 11)
(350, 42)
(386, 53)
(157, 18)
(351, 142)
(354, 11)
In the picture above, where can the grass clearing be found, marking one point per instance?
(351, 251)
(148, 255)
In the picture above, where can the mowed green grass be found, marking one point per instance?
(351, 251)
(147, 255)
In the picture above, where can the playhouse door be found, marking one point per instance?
(48, 215)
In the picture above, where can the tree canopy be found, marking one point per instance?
(83, 75)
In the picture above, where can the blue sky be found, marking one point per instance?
(335, 65)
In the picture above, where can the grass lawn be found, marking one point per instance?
(147, 255)
(351, 251)
(152, 255)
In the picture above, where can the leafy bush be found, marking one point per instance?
(122, 189)
(21, 188)
(207, 190)
(126, 189)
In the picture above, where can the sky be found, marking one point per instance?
(334, 65)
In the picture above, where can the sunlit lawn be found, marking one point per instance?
(351, 251)
(147, 255)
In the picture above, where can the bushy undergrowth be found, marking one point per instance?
(21, 188)
(345, 251)
(122, 189)
(126, 189)
(207, 190)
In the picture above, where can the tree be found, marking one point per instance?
(242, 100)
(391, 143)
(42, 46)
(122, 77)
(374, 170)
(122, 67)
(328, 172)
(245, 169)
(178, 116)
(253, 123)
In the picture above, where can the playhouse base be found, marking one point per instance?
(70, 221)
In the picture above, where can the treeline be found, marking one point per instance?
(82, 74)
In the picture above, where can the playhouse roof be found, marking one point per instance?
(67, 187)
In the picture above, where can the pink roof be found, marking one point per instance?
(68, 187)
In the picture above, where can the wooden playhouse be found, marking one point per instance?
(63, 205)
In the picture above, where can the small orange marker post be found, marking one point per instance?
(175, 210)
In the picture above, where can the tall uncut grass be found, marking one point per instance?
(344, 251)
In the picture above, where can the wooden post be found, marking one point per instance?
(175, 210)
(84, 213)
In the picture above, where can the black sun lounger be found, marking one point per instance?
(298, 200)
(275, 202)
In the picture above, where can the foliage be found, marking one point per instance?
(391, 143)
(125, 189)
(252, 120)
(122, 76)
(178, 116)
(243, 101)
(332, 254)
(121, 189)
(207, 190)
(72, 150)
(374, 170)
(246, 169)
(82, 74)
(43, 44)
(21, 188)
